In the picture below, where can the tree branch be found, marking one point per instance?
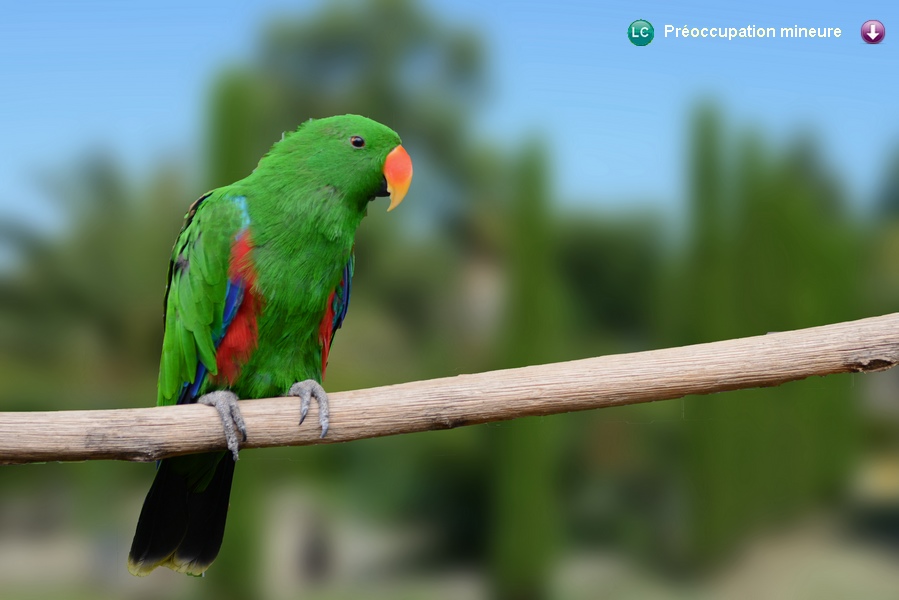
(146, 434)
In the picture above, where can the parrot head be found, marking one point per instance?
(361, 158)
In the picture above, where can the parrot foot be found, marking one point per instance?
(225, 403)
(306, 390)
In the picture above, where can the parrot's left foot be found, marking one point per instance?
(306, 390)
(225, 403)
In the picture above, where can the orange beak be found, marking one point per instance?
(398, 173)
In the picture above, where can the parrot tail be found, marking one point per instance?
(182, 522)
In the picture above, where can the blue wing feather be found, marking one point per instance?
(342, 295)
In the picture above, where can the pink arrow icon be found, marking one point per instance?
(873, 32)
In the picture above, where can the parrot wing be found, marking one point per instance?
(207, 284)
(335, 312)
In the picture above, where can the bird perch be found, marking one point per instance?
(146, 434)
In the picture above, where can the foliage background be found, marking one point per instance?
(491, 263)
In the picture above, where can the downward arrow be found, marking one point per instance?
(873, 33)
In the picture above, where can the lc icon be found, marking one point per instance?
(640, 32)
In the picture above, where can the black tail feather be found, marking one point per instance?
(182, 522)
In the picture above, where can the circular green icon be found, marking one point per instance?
(640, 32)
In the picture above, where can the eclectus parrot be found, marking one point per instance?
(259, 282)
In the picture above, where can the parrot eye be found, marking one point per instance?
(357, 141)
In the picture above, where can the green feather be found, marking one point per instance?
(189, 347)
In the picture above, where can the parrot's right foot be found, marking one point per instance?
(225, 403)
(306, 391)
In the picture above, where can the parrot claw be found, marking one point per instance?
(306, 390)
(225, 403)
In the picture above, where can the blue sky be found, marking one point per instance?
(131, 77)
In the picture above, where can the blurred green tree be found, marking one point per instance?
(772, 247)
(525, 515)
(85, 306)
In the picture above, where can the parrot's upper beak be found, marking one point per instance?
(398, 174)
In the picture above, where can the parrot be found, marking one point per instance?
(258, 284)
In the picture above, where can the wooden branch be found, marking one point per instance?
(146, 434)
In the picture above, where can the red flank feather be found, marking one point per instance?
(326, 331)
(241, 267)
(240, 339)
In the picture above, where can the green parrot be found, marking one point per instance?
(259, 282)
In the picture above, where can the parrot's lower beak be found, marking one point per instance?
(398, 174)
